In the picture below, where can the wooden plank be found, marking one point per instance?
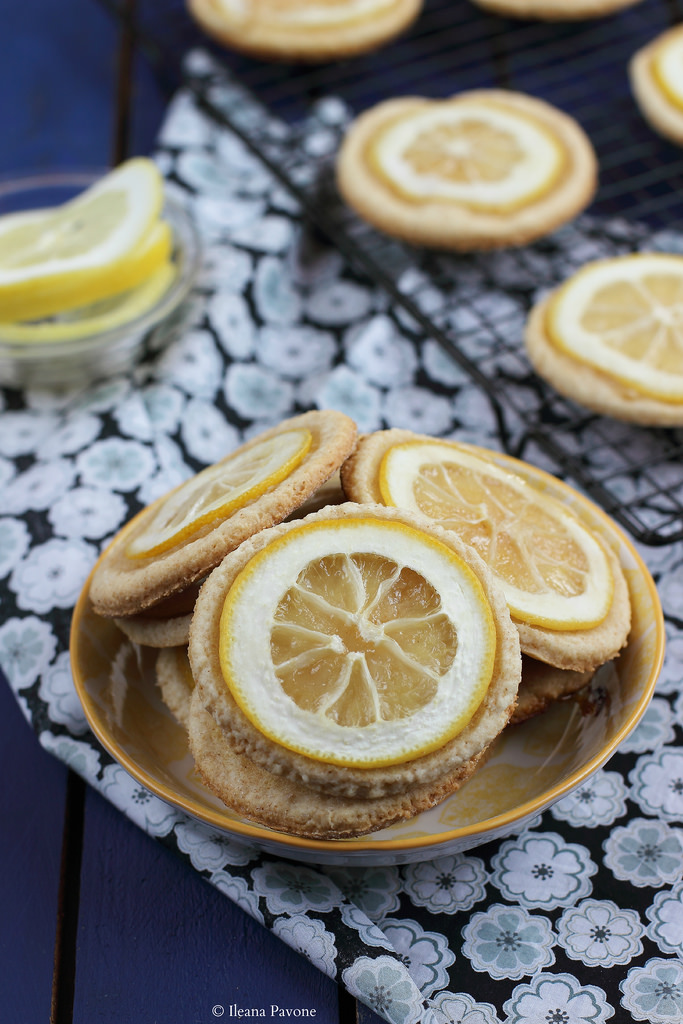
(32, 812)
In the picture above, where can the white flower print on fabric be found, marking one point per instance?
(22, 432)
(206, 433)
(271, 234)
(59, 693)
(442, 367)
(52, 574)
(370, 934)
(91, 512)
(425, 954)
(137, 803)
(27, 646)
(236, 889)
(233, 323)
(459, 1008)
(172, 471)
(310, 937)
(337, 303)
(194, 364)
(418, 409)
(229, 271)
(666, 920)
(477, 419)
(645, 853)
(247, 172)
(654, 993)
(276, 300)
(378, 353)
(218, 218)
(657, 784)
(184, 125)
(296, 352)
(133, 419)
(6, 471)
(38, 487)
(600, 934)
(507, 942)
(293, 888)
(678, 708)
(14, 543)
(208, 849)
(373, 889)
(446, 885)
(557, 999)
(346, 391)
(72, 436)
(116, 464)
(543, 870)
(600, 801)
(670, 590)
(77, 754)
(654, 730)
(103, 397)
(669, 680)
(386, 987)
(256, 393)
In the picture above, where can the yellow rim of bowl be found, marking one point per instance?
(367, 844)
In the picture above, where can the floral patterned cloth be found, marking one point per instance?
(513, 932)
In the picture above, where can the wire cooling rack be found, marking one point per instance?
(635, 473)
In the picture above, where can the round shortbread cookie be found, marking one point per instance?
(174, 679)
(579, 650)
(542, 685)
(555, 10)
(289, 806)
(450, 224)
(123, 586)
(589, 387)
(312, 32)
(156, 632)
(656, 107)
(488, 721)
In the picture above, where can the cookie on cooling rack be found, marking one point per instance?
(314, 32)
(657, 83)
(480, 170)
(555, 10)
(174, 543)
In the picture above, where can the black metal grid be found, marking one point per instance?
(635, 473)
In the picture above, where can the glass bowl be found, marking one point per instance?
(79, 361)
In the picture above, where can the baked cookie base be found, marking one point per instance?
(542, 685)
(555, 10)
(655, 106)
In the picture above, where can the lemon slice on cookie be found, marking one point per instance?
(357, 641)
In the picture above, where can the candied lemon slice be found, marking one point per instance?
(553, 572)
(322, 13)
(667, 67)
(359, 642)
(221, 489)
(99, 244)
(472, 151)
(624, 317)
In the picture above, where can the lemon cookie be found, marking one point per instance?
(611, 338)
(555, 10)
(166, 624)
(175, 682)
(288, 30)
(480, 170)
(543, 685)
(379, 656)
(657, 83)
(565, 588)
(178, 539)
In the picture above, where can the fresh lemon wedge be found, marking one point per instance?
(553, 572)
(667, 67)
(97, 318)
(104, 241)
(359, 642)
(220, 490)
(473, 151)
(624, 317)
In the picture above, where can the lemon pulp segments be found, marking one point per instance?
(553, 572)
(624, 317)
(471, 151)
(357, 642)
(220, 490)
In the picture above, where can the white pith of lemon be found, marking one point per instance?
(357, 642)
(98, 317)
(553, 572)
(667, 67)
(624, 317)
(105, 240)
(220, 490)
(484, 155)
(334, 13)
